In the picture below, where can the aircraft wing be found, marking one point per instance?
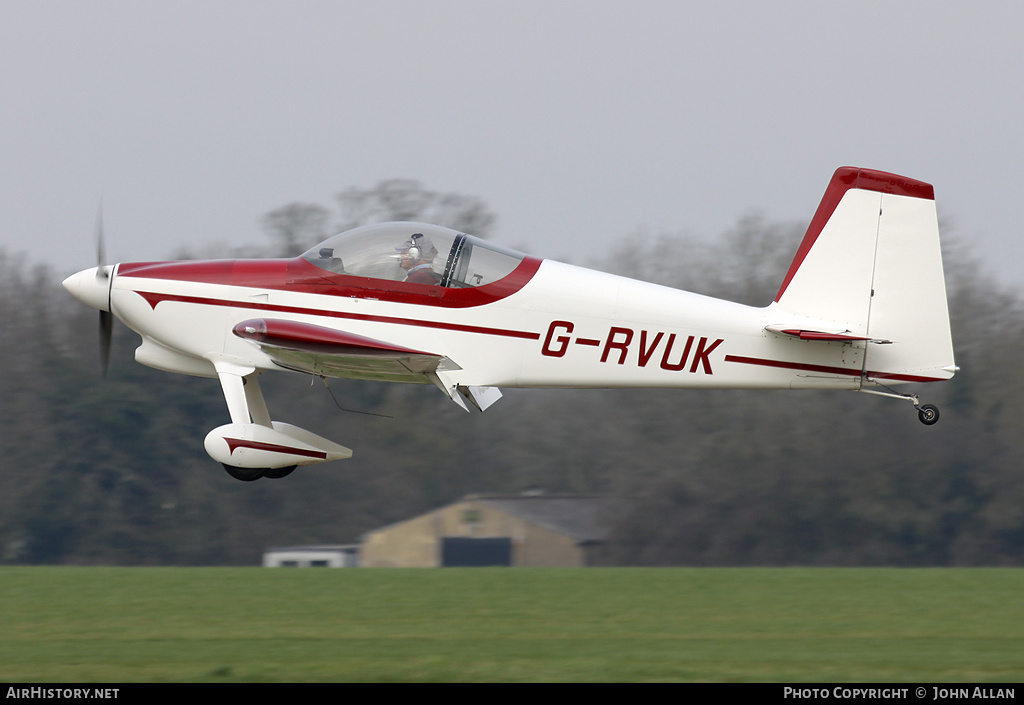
(328, 352)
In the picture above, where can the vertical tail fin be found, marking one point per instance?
(871, 263)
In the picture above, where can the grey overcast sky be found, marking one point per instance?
(577, 121)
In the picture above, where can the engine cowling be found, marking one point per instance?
(250, 445)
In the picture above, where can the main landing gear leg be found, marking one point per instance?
(246, 404)
(927, 413)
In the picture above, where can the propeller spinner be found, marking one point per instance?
(92, 287)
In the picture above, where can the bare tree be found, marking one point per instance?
(746, 264)
(408, 199)
(296, 227)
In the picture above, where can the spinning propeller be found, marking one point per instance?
(92, 286)
(103, 274)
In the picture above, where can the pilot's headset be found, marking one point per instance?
(414, 251)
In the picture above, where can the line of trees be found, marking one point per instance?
(113, 471)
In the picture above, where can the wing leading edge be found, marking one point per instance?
(327, 352)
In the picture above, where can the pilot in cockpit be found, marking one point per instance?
(416, 257)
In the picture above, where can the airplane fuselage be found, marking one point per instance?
(564, 327)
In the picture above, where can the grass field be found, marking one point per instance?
(507, 624)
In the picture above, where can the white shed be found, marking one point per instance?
(340, 556)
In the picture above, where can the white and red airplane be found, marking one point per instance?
(862, 307)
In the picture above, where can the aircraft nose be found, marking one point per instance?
(91, 286)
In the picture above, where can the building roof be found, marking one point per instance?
(582, 518)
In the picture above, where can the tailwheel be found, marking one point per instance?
(278, 473)
(245, 474)
(928, 413)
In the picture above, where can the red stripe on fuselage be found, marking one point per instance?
(825, 369)
(155, 298)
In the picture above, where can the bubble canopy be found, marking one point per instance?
(453, 259)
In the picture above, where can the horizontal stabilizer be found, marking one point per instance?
(832, 336)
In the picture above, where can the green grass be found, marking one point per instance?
(660, 624)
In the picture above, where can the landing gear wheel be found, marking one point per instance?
(928, 414)
(244, 474)
(278, 473)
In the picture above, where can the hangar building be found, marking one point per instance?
(521, 530)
